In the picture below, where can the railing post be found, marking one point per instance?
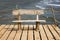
(54, 16)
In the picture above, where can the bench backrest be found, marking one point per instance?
(27, 11)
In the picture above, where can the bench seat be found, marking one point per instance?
(29, 21)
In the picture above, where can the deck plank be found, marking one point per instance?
(49, 35)
(43, 35)
(3, 30)
(2, 26)
(45, 32)
(24, 35)
(30, 27)
(18, 34)
(12, 34)
(57, 29)
(37, 37)
(25, 27)
(36, 34)
(54, 32)
(30, 33)
(5, 36)
(22, 26)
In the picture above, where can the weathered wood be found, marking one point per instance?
(30, 27)
(26, 11)
(22, 27)
(18, 34)
(25, 27)
(37, 36)
(4, 30)
(5, 36)
(30, 34)
(1, 27)
(15, 27)
(57, 29)
(49, 35)
(43, 35)
(46, 32)
(24, 35)
(54, 32)
(12, 34)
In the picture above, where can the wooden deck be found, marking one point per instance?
(45, 32)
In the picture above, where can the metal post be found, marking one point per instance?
(37, 17)
(37, 25)
(37, 22)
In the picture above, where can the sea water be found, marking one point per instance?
(28, 5)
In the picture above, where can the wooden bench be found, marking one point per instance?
(20, 12)
(37, 22)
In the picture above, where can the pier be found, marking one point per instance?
(18, 31)
(45, 32)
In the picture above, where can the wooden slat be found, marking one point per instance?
(1, 27)
(25, 11)
(30, 33)
(57, 29)
(15, 27)
(24, 35)
(31, 27)
(36, 34)
(25, 27)
(37, 37)
(5, 36)
(43, 35)
(4, 30)
(18, 21)
(8, 33)
(18, 34)
(54, 32)
(49, 35)
(22, 26)
(12, 35)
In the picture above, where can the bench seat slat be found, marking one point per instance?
(29, 21)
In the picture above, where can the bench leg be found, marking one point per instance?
(19, 26)
(37, 25)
